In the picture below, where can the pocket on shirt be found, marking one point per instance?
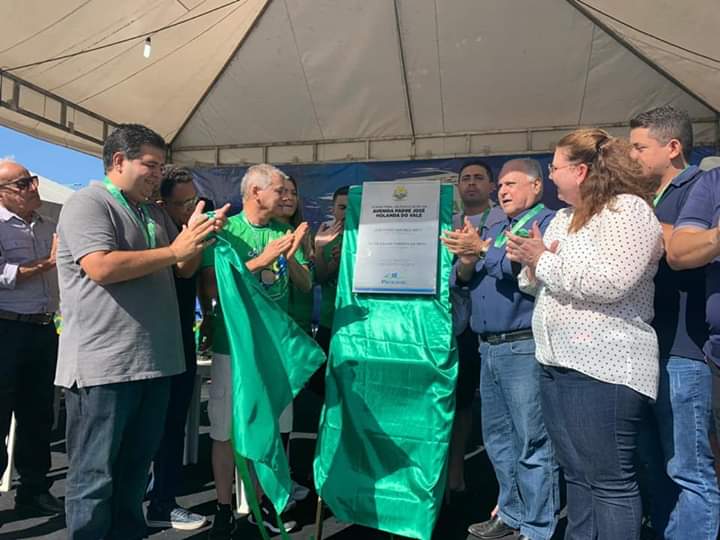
(17, 251)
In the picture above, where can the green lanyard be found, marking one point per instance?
(501, 240)
(147, 224)
(658, 197)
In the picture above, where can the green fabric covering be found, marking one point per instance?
(389, 406)
(271, 359)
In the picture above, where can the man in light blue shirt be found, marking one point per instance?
(28, 300)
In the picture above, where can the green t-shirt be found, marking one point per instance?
(301, 306)
(249, 241)
(329, 288)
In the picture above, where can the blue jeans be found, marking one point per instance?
(516, 440)
(594, 427)
(685, 502)
(113, 431)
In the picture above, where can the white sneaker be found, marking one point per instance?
(299, 492)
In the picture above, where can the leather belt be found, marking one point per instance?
(506, 337)
(32, 318)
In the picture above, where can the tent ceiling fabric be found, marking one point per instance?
(329, 70)
(118, 82)
(324, 80)
(684, 42)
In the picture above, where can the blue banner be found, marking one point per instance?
(317, 182)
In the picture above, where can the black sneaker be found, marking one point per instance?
(270, 517)
(224, 525)
(42, 504)
(178, 518)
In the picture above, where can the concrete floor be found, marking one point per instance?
(198, 494)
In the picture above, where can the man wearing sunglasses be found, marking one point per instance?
(28, 300)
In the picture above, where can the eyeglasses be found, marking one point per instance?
(22, 184)
(187, 204)
(552, 168)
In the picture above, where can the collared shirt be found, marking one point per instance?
(679, 296)
(117, 332)
(702, 211)
(460, 297)
(498, 305)
(22, 243)
(595, 297)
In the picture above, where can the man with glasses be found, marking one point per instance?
(28, 301)
(121, 341)
(179, 198)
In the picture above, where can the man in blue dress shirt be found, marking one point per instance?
(514, 432)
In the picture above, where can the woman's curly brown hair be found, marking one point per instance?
(611, 172)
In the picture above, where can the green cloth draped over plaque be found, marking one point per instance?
(272, 358)
(389, 404)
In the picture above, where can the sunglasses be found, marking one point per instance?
(22, 184)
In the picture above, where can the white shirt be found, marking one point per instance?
(595, 295)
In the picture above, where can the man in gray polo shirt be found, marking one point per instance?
(121, 337)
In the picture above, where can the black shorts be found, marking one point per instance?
(468, 378)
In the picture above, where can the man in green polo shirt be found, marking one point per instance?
(273, 253)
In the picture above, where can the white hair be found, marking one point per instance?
(260, 176)
(531, 167)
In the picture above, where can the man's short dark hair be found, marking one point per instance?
(341, 191)
(480, 163)
(172, 176)
(667, 123)
(128, 139)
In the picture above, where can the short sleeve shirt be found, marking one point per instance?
(120, 332)
(702, 211)
(249, 241)
(679, 296)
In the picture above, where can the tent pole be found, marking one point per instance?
(319, 519)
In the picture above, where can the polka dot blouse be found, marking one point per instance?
(595, 295)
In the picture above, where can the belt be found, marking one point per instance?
(506, 337)
(32, 318)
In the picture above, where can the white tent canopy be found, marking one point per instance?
(332, 80)
(53, 196)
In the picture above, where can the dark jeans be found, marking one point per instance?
(27, 369)
(594, 427)
(113, 432)
(168, 462)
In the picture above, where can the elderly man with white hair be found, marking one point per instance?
(514, 432)
(273, 253)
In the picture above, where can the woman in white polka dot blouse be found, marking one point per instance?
(593, 274)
